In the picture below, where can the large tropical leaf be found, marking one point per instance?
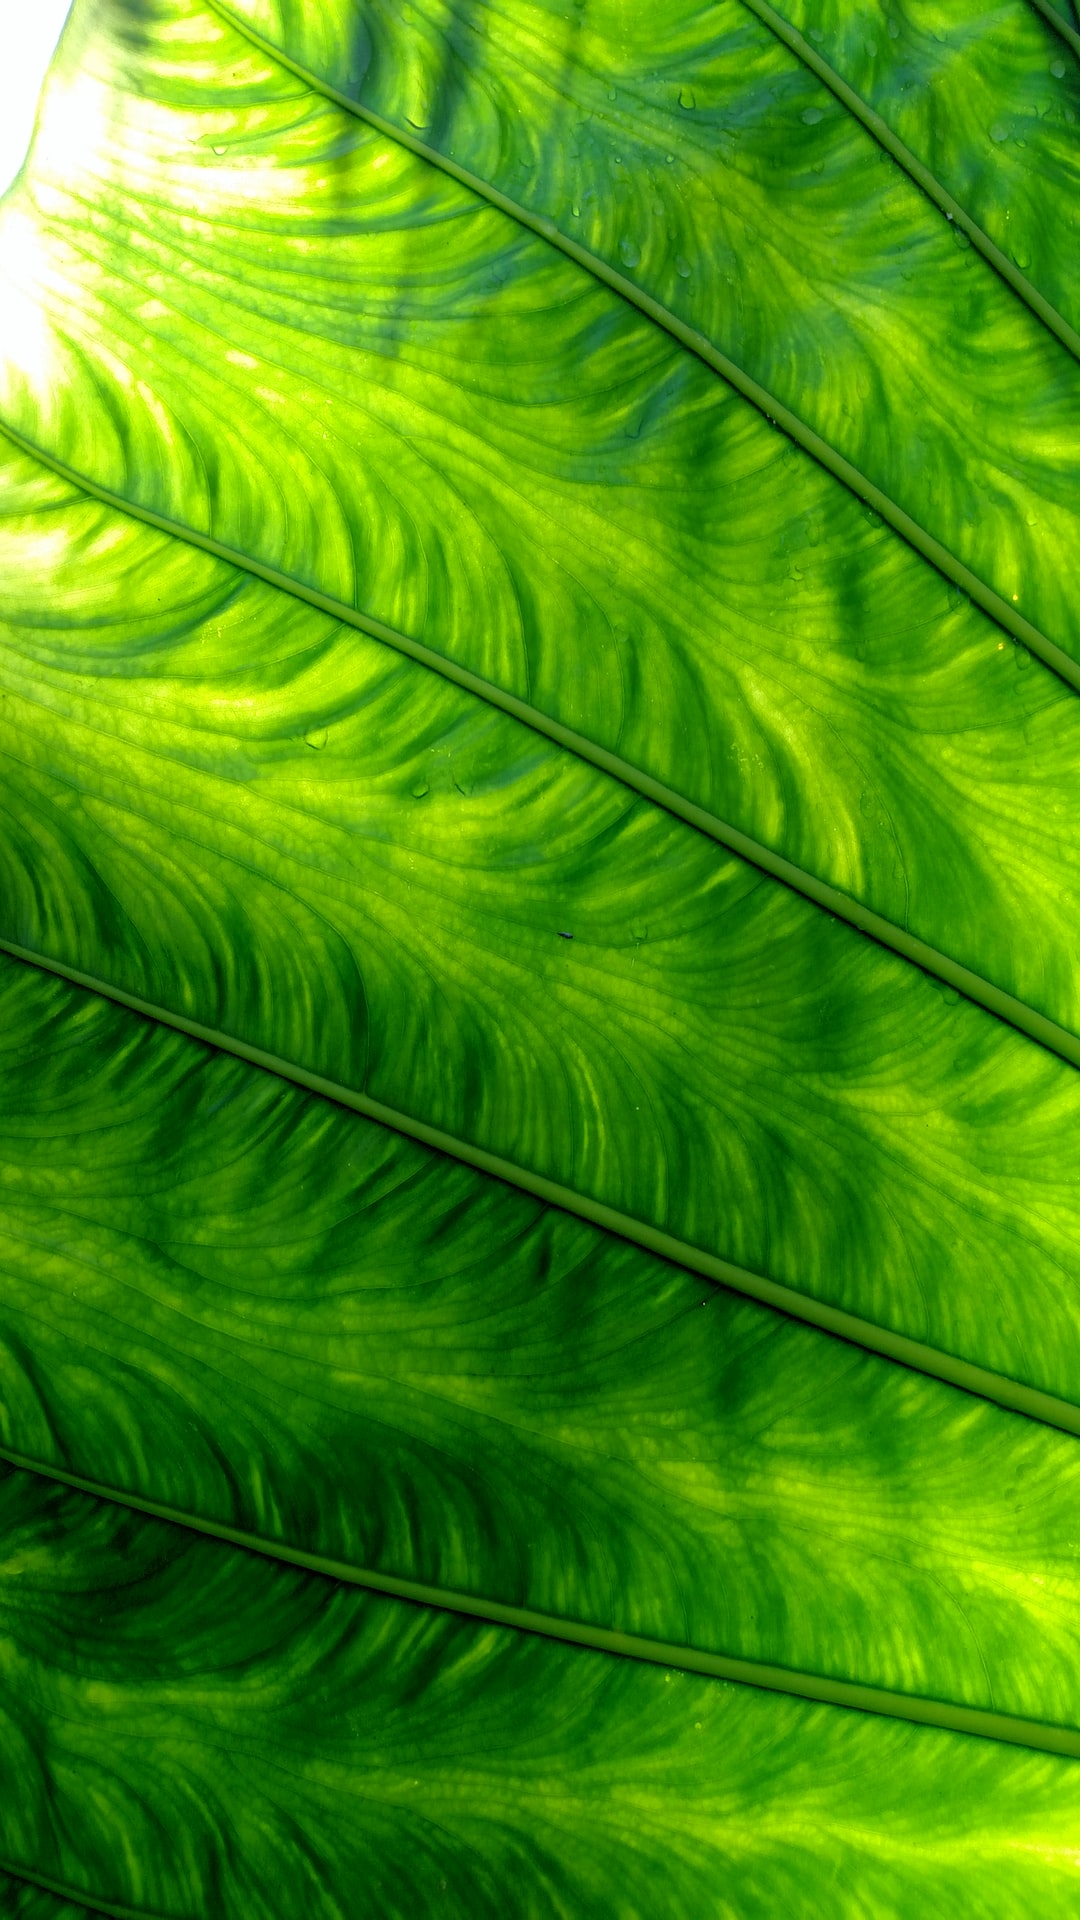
(539, 1019)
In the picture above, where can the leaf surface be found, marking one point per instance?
(541, 484)
(217, 1289)
(386, 882)
(453, 748)
(268, 1742)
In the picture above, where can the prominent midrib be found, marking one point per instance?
(1059, 24)
(775, 411)
(946, 1715)
(1015, 1395)
(843, 906)
(880, 131)
(18, 1870)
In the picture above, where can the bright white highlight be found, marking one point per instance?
(29, 31)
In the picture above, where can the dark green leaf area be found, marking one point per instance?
(243, 1303)
(218, 799)
(692, 152)
(988, 97)
(323, 351)
(20, 1900)
(189, 1730)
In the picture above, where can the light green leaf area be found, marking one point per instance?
(337, 360)
(692, 152)
(232, 806)
(218, 1291)
(226, 1737)
(453, 748)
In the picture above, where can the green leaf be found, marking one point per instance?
(217, 1290)
(269, 1743)
(26, 1900)
(525, 537)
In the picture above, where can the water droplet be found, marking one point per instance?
(317, 738)
(682, 267)
(816, 36)
(221, 149)
(1057, 68)
(629, 252)
(874, 517)
(687, 99)
(671, 159)
(420, 789)
(893, 30)
(576, 211)
(1023, 659)
(811, 115)
(961, 237)
(999, 131)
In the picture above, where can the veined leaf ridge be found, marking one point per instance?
(775, 411)
(982, 1722)
(1014, 1395)
(1059, 23)
(833, 900)
(19, 1871)
(916, 170)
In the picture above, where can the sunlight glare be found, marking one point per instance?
(29, 31)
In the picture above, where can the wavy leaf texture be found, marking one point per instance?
(986, 100)
(538, 482)
(825, 276)
(525, 535)
(374, 877)
(243, 1740)
(217, 1289)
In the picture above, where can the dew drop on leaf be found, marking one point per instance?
(316, 738)
(682, 267)
(687, 100)
(629, 252)
(999, 131)
(1057, 68)
(811, 115)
